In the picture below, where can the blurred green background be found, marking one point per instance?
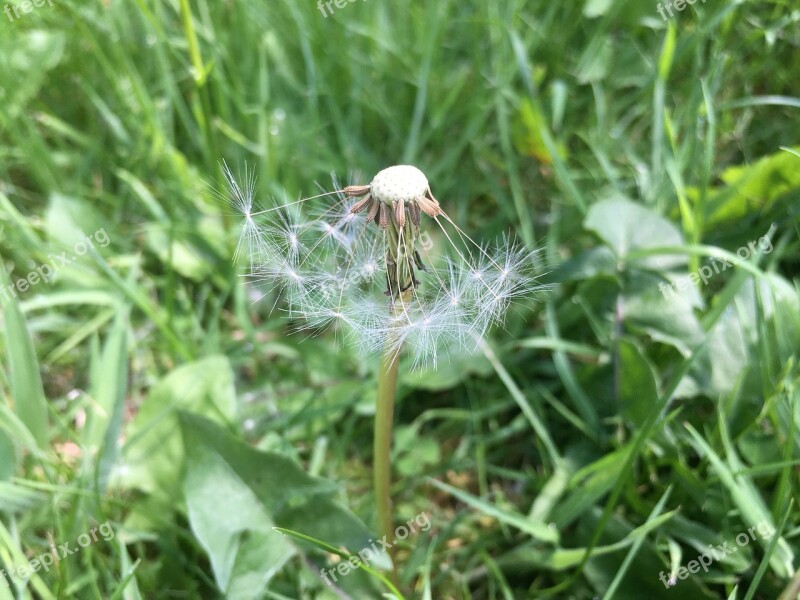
(608, 434)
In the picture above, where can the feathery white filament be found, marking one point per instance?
(329, 267)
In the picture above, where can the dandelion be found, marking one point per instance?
(330, 259)
(325, 258)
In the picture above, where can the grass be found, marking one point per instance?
(609, 433)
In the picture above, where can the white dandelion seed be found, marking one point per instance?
(327, 266)
(252, 239)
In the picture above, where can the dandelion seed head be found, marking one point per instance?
(357, 262)
(401, 182)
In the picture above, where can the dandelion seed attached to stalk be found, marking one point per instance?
(327, 267)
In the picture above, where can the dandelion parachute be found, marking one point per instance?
(383, 264)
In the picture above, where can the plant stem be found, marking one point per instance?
(382, 466)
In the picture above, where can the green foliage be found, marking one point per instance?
(260, 491)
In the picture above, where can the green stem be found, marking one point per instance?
(382, 466)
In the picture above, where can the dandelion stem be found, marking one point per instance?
(382, 466)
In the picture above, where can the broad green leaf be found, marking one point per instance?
(637, 383)
(244, 549)
(594, 262)
(626, 226)
(736, 363)
(153, 455)
(596, 8)
(179, 254)
(753, 187)
(260, 490)
(597, 59)
(448, 373)
(413, 451)
(664, 316)
(70, 221)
